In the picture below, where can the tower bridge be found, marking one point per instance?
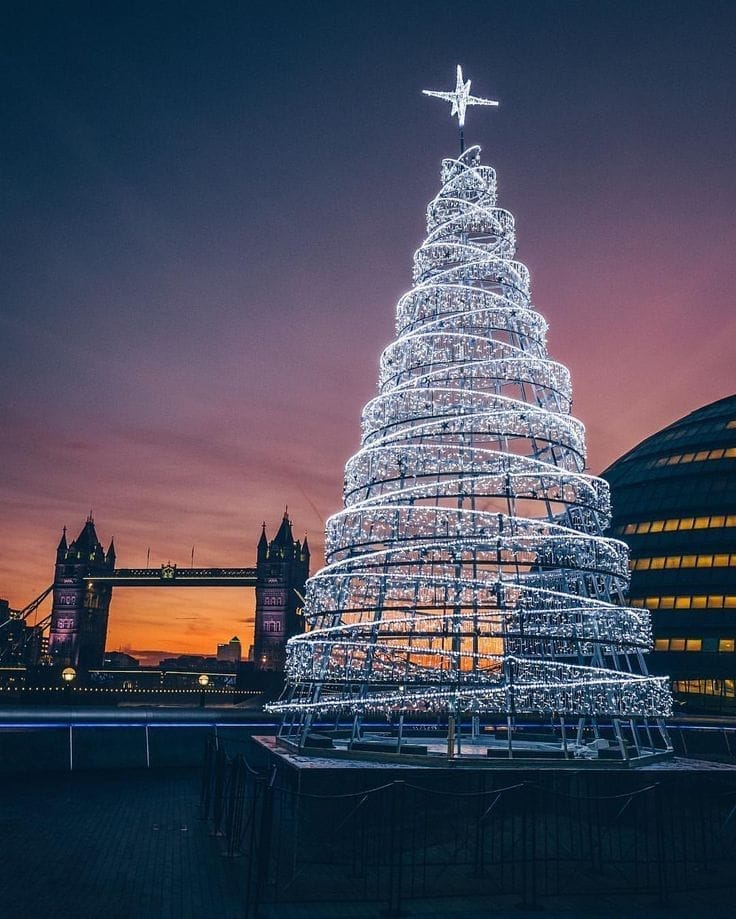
(85, 575)
(169, 575)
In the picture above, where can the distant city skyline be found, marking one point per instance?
(209, 215)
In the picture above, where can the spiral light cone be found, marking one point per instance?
(467, 573)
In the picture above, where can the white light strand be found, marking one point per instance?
(467, 571)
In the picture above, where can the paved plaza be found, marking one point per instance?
(131, 845)
(116, 845)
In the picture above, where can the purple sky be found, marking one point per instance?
(209, 212)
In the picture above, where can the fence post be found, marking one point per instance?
(206, 790)
(252, 880)
(218, 805)
(661, 847)
(395, 850)
(263, 850)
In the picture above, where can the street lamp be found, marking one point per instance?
(204, 682)
(68, 676)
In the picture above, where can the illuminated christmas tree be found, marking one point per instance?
(467, 575)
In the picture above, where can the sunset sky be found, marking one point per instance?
(209, 211)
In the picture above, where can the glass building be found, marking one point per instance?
(674, 503)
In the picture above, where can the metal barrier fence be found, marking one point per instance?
(549, 833)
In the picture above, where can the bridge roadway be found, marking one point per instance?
(173, 576)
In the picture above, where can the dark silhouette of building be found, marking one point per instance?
(80, 608)
(230, 651)
(283, 568)
(119, 660)
(20, 643)
(674, 503)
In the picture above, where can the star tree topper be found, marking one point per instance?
(460, 100)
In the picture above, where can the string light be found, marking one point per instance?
(467, 571)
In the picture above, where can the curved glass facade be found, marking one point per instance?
(674, 503)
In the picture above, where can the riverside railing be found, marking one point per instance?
(471, 834)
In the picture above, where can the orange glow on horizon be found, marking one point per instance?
(180, 620)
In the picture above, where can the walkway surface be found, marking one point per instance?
(130, 845)
(111, 845)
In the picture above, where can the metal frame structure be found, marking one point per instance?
(467, 574)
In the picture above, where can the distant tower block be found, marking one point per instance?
(282, 570)
(80, 609)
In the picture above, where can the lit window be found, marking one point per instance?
(715, 601)
(673, 460)
(657, 563)
(720, 561)
(731, 520)
(682, 602)
(731, 424)
(726, 644)
(730, 452)
(677, 644)
(670, 525)
(705, 561)
(688, 561)
(672, 561)
(630, 528)
(661, 644)
(717, 521)
(716, 454)
(657, 526)
(666, 602)
(703, 455)
(687, 523)
(699, 602)
(694, 644)
(729, 602)
(701, 523)
(652, 602)
(688, 457)
(643, 527)
(638, 602)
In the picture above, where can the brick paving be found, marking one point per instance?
(130, 845)
(112, 845)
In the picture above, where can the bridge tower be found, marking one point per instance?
(80, 609)
(282, 570)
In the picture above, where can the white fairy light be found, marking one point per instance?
(461, 98)
(467, 571)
